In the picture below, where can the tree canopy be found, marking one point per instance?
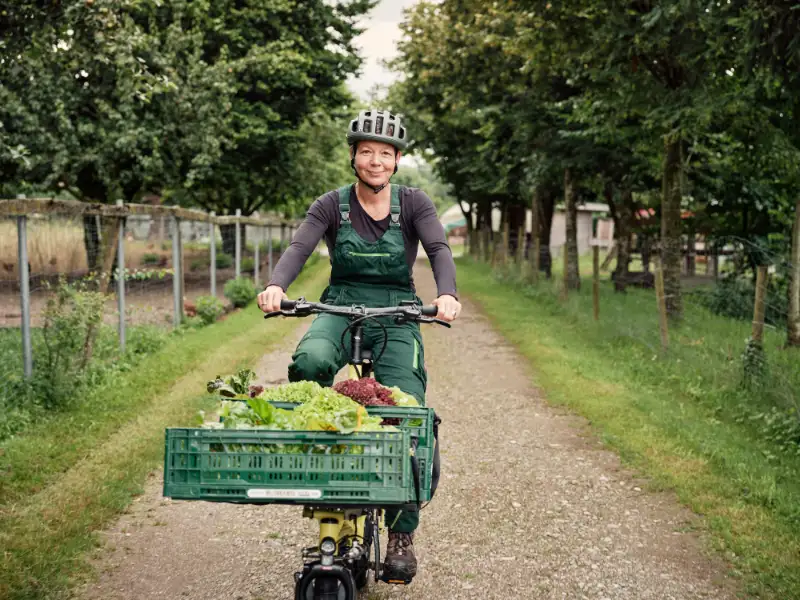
(682, 104)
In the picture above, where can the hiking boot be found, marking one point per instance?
(400, 561)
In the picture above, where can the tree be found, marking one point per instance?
(288, 61)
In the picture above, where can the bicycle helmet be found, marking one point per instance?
(377, 126)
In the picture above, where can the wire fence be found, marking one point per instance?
(152, 264)
(729, 350)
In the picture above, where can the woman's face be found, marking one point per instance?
(375, 162)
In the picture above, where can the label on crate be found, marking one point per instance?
(282, 493)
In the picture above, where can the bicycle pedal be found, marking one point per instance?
(396, 581)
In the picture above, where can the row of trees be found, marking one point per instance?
(689, 107)
(219, 104)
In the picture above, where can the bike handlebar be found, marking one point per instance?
(409, 312)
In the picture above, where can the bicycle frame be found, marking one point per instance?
(347, 536)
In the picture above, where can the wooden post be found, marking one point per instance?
(662, 306)
(212, 248)
(121, 282)
(25, 295)
(238, 251)
(759, 310)
(596, 281)
(269, 253)
(177, 276)
(256, 257)
(536, 246)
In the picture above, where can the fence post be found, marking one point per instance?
(238, 243)
(177, 273)
(662, 305)
(212, 248)
(269, 253)
(256, 257)
(25, 295)
(596, 281)
(121, 280)
(759, 310)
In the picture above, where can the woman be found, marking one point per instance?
(372, 230)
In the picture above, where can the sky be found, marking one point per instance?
(378, 42)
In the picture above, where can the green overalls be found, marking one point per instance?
(374, 274)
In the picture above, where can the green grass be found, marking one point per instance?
(72, 473)
(681, 418)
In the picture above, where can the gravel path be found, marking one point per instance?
(530, 506)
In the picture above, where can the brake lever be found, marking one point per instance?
(434, 320)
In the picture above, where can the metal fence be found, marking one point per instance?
(153, 261)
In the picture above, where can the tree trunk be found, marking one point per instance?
(794, 284)
(547, 203)
(671, 227)
(91, 242)
(623, 221)
(573, 277)
(109, 245)
(534, 252)
(645, 243)
(228, 234)
(691, 253)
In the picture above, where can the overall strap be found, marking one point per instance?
(344, 204)
(395, 206)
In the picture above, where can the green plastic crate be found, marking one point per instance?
(297, 467)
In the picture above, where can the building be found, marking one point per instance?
(594, 226)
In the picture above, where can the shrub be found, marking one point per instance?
(150, 258)
(240, 291)
(224, 261)
(248, 264)
(198, 264)
(72, 319)
(734, 298)
(209, 308)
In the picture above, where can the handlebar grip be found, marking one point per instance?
(430, 311)
(288, 304)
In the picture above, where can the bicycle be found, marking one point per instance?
(346, 493)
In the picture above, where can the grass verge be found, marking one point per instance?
(680, 418)
(71, 474)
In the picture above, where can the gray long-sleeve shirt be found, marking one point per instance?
(418, 223)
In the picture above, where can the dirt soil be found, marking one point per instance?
(530, 506)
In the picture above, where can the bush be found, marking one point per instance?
(209, 308)
(240, 291)
(734, 298)
(224, 261)
(72, 320)
(198, 264)
(248, 264)
(150, 258)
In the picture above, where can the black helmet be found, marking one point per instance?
(377, 126)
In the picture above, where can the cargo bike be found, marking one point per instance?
(343, 481)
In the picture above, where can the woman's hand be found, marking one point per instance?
(270, 299)
(449, 307)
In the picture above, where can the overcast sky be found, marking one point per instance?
(379, 42)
